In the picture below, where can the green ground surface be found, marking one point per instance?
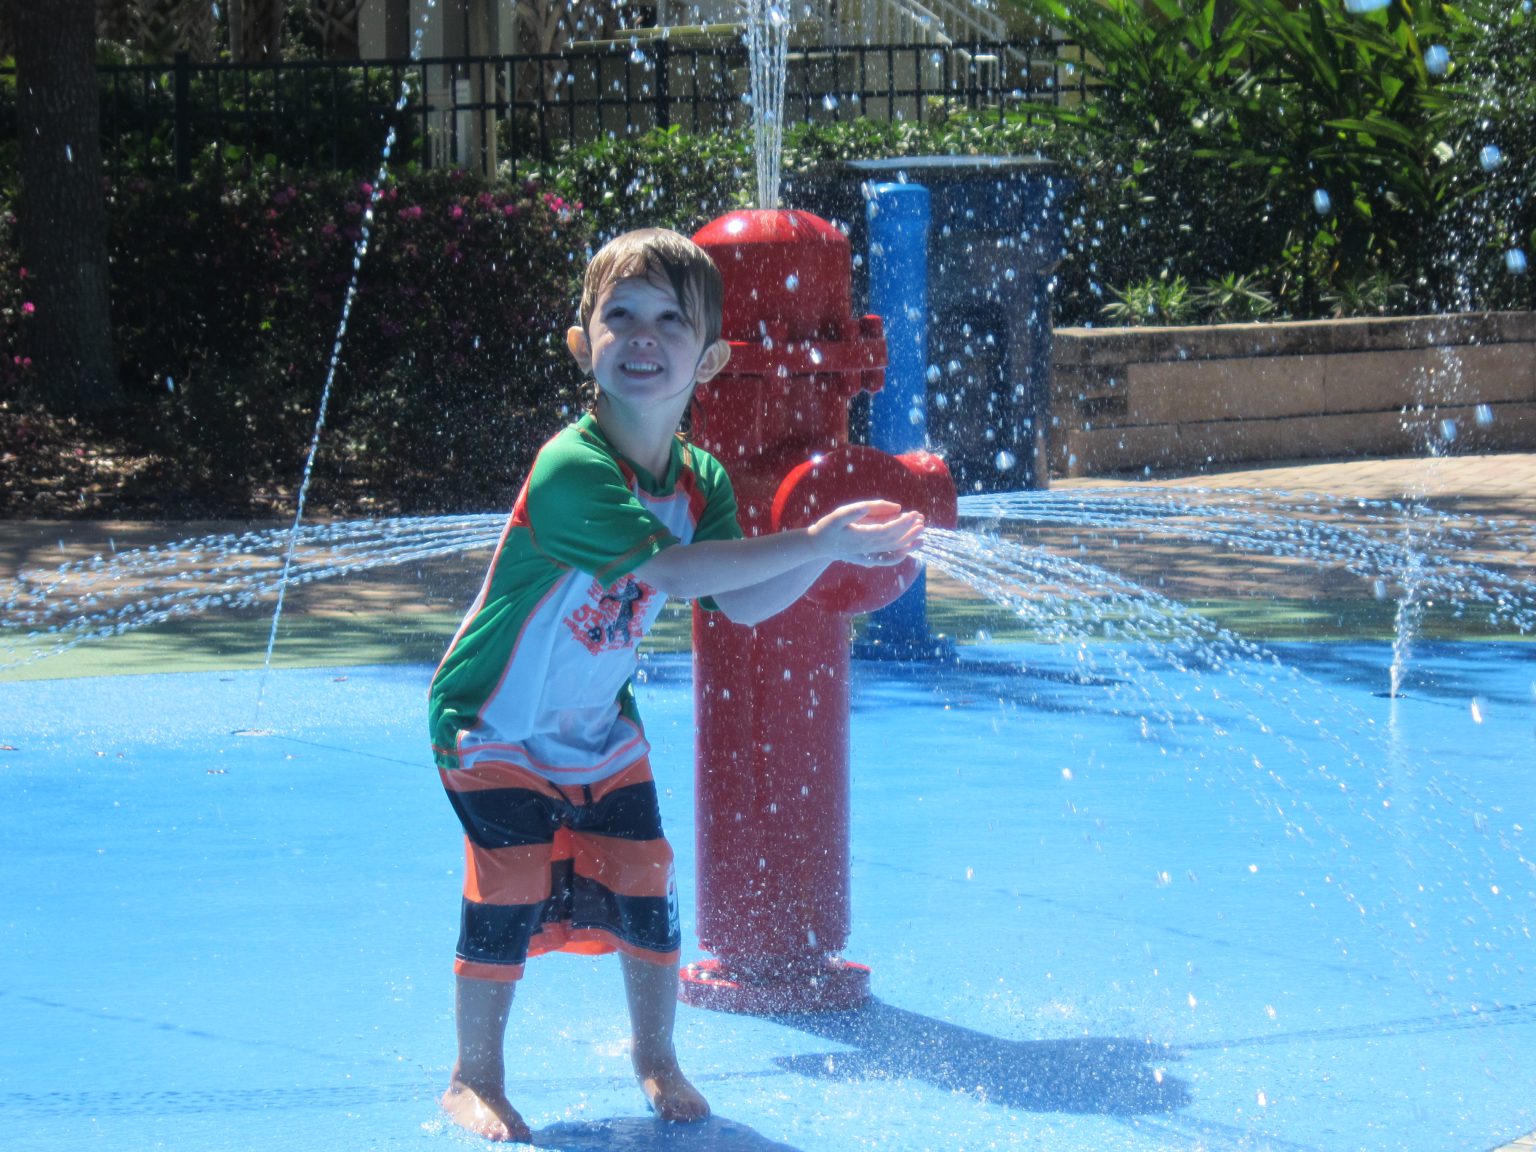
(217, 642)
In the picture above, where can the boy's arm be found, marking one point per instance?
(753, 579)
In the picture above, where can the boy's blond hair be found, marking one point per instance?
(664, 255)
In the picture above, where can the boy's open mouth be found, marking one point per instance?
(641, 367)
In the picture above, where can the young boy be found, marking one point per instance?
(533, 715)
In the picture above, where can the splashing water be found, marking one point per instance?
(99, 598)
(767, 36)
(337, 345)
(1334, 782)
(45, 612)
(1377, 540)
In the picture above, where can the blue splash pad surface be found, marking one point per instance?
(1104, 908)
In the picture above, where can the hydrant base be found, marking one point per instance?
(834, 985)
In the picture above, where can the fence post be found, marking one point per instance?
(181, 115)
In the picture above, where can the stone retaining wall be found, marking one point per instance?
(1179, 399)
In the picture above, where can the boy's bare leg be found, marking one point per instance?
(477, 1094)
(652, 993)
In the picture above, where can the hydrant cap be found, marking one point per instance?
(788, 275)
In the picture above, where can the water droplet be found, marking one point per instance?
(1322, 203)
(170, 384)
(792, 282)
(933, 374)
(777, 16)
(915, 416)
(1005, 461)
(829, 102)
(69, 153)
(1515, 261)
(637, 57)
(1490, 156)
(816, 356)
(1359, 7)
(1437, 59)
(1448, 429)
(1484, 415)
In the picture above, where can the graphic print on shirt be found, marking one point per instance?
(612, 617)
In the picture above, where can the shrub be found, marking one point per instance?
(451, 371)
(663, 178)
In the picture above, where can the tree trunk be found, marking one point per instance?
(62, 210)
(256, 29)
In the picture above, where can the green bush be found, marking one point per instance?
(15, 308)
(452, 371)
(1304, 143)
(663, 178)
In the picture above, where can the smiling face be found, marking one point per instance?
(643, 351)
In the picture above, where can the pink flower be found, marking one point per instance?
(28, 308)
(328, 229)
(411, 213)
(365, 188)
(456, 212)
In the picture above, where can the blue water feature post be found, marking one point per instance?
(898, 217)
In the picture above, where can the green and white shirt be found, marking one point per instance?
(538, 674)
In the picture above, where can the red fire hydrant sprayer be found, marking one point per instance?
(772, 702)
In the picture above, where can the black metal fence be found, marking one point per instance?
(512, 112)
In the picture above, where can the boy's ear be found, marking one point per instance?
(580, 347)
(715, 358)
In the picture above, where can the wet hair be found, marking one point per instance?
(660, 254)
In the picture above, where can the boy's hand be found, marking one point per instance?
(870, 533)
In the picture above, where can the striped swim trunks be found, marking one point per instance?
(550, 868)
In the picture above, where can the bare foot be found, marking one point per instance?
(672, 1097)
(485, 1113)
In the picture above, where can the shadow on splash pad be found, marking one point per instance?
(645, 1134)
(1094, 1075)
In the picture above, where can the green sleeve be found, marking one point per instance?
(582, 513)
(718, 520)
